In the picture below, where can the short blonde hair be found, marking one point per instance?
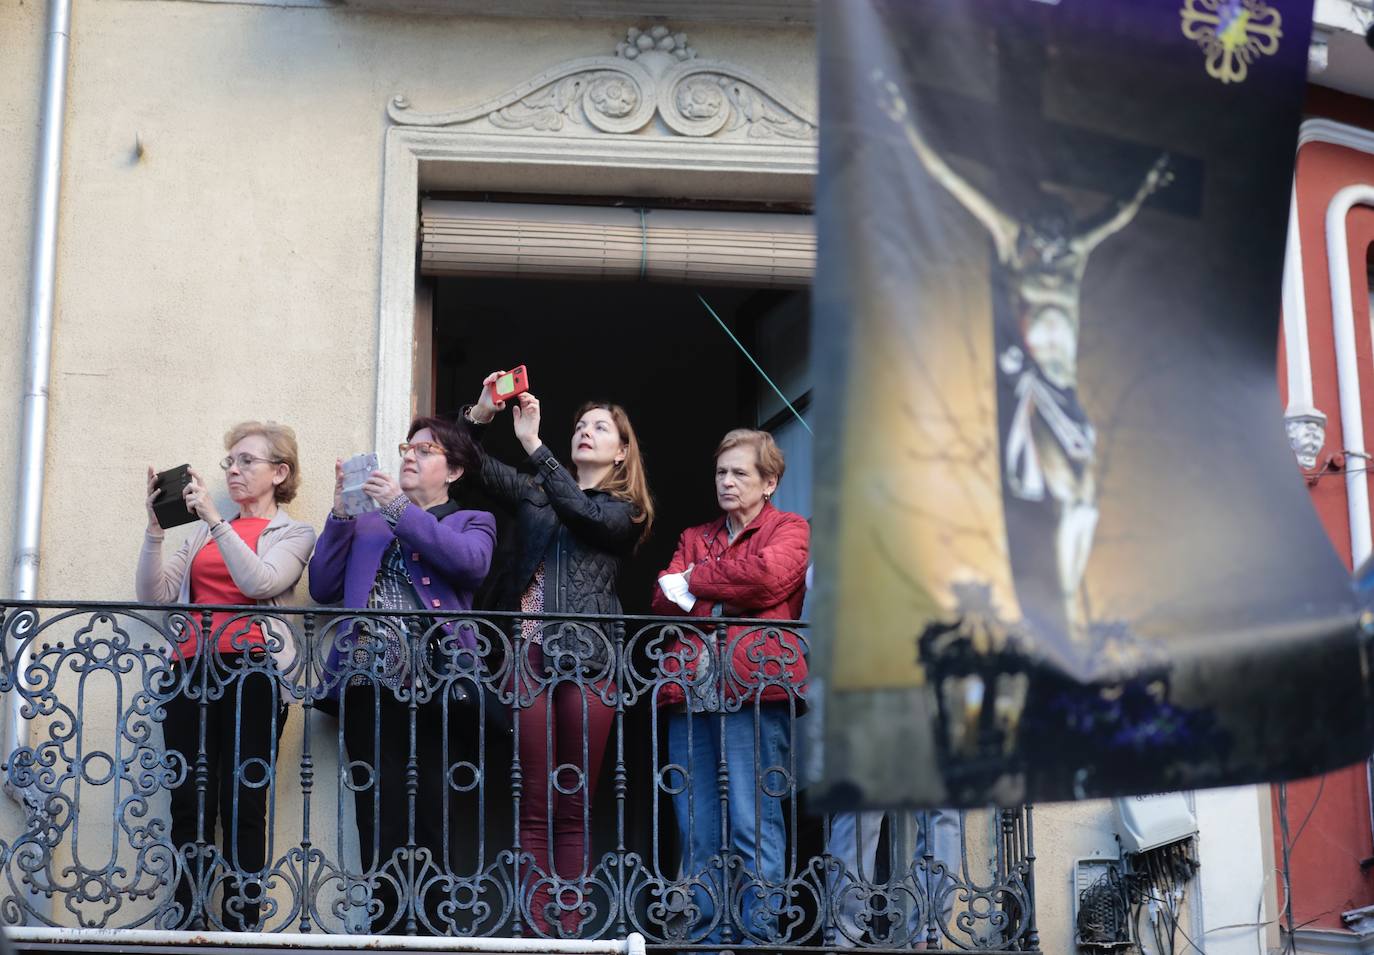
(766, 452)
(282, 442)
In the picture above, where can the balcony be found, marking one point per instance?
(391, 803)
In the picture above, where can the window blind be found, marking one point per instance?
(482, 239)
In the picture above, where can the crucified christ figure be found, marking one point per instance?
(1047, 441)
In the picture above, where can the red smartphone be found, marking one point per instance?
(511, 383)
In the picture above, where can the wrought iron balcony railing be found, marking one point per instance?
(430, 775)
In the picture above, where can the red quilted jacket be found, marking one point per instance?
(761, 574)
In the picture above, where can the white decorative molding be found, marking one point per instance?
(1343, 325)
(1338, 134)
(653, 116)
(1316, 941)
(654, 74)
(1318, 53)
(1306, 424)
(1306, 435)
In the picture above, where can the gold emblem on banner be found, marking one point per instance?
(1232, 33)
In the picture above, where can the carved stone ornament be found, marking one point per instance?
(654, 74)
(1306, 435)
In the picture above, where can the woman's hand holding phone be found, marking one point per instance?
(526, 412)
(339, 510)
(487, 407)
(153, 492)
(198, 500)
(382, 488)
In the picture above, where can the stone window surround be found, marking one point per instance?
(646, 165)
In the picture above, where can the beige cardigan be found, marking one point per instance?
(266, 576)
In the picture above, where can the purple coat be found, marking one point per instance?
(447, 557)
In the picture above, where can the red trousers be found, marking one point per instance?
(563, 732)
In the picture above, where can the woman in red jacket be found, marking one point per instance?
(749, 562)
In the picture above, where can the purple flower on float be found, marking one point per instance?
(1135, 720)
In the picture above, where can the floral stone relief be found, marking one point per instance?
(654, 83)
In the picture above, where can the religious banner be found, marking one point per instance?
(1062, 548)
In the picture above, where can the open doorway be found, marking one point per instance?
(653, 348)
(658, 351)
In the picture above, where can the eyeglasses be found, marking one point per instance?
(422, 449)
(244, 461)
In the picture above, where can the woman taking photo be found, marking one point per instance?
(573, 528)
(748, 562)
(419, 551)
(254, 556)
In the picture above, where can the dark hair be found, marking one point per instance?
(460, 451)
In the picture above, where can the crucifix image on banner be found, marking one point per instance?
(1061, 547)
(1047, 441)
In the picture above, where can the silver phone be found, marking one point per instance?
(356, 471)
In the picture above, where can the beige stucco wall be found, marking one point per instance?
(232, 270)
(1065, 832)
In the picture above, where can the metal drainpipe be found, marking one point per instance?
(37, 371)
(1348, 368)
(38, 355)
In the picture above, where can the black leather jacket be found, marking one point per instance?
(581, 536)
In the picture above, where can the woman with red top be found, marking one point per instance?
(256, 556)
(573, 529)
(749, 562)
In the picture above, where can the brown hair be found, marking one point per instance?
(459, 449)
(766, 452)
(628, 481)
(281, 440)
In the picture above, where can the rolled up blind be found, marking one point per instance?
(483, 239)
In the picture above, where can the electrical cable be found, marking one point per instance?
(1178, 928)
(1288, 844)
(745, 351)
(1328, 471)
(1158, 879)
(1289, 942)
(1223, 928)
(1321, 787)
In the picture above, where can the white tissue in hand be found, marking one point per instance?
(674, 587)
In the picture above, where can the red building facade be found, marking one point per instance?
(1326, 373)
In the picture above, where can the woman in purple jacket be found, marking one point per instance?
(419, 551)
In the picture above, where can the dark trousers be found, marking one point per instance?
(555, 822)
(377, 730)
(240, 747)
